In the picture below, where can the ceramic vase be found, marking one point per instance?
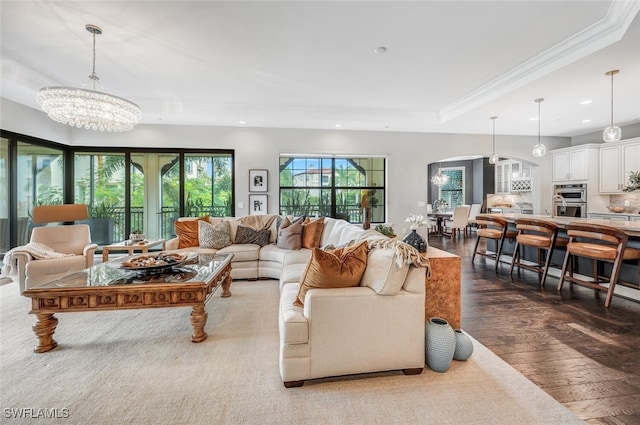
(464, 346)
(440, 344)
(416, 241)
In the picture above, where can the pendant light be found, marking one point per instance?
(494, 156)
(539, 149)
(612, 133)
(440, 179)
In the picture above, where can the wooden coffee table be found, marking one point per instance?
(108, 287)
(131, 247)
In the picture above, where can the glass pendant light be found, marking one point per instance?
(612, 133)
(494, 156)
(539, 149)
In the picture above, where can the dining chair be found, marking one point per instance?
(459, 221)
(473, 212)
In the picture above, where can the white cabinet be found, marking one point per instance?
(613, 217)
(617, 161)
(512, 176)
(570, 165)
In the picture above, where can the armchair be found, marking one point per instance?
(53, 251)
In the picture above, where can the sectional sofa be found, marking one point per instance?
(377, 325)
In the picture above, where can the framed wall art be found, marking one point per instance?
(258, 180)
(257, 204)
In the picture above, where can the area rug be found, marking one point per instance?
(139, 367)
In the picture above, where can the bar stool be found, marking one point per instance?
(495, 228)
(599, 243)
(539, 234)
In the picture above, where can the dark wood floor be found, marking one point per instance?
(584, 355)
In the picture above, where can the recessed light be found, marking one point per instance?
(380, 50)
(586, 120)
(242, 122)
(586, 102)
(338, 125)
(533, 119)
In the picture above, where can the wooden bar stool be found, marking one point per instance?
(495, 228)
(539, 234)
(599, 243)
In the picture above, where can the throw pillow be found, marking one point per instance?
(341, 268)
(312, 232)
(383, 274)
(214, 236)
(258, 237)
(187, 232)
(289, 235)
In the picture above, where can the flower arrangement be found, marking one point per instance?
(440, 205)
(634, 182)
(415, 221)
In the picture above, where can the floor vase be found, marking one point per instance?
(464, 346)
(416, 241)
(440, 344)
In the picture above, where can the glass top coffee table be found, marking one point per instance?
(108, 286)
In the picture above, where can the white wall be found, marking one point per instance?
(408, 153)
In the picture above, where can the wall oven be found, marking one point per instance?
(570, 200)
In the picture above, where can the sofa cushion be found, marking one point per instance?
(289, 235)
(187, 232)
(338, 268)
(247, 235)
(214, 236)
(312, 232)
(242, 252)
(383, 274)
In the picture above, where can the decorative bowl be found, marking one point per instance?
(617, 209)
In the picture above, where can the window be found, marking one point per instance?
(332, 187)
(453, 191)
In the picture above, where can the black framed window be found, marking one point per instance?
(333, 186)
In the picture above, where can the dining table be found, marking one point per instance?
(441, 218)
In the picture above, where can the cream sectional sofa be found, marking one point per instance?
(376, 326)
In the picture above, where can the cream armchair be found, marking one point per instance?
(53, 251)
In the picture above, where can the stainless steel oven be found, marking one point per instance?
(570, 200)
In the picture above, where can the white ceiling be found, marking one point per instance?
(449, 65)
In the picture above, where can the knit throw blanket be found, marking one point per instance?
(257, 222)
(36, 249)
(405, 253)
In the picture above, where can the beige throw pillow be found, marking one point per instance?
(214, 236)
(289, 235)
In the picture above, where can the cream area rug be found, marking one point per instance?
(140, 367)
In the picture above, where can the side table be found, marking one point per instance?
(442, 298)
(131, 247)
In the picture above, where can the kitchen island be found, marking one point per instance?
(629, 281)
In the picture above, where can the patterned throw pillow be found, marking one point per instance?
(215, 237)
(258, 237)
(341, 268)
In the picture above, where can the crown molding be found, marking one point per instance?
(606, 31)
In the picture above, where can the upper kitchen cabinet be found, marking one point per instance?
(512, 177)
(617, 161)
(575, 163)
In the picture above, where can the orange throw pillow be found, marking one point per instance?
(312, 232)
(187, 232)
(339, 268)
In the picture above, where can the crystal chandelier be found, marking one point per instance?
(494, 156)
(539, 149)
(93, 109)
(612, 133)
(440, 179)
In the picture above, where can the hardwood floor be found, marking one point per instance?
(584, 355)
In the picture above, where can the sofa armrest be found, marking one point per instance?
(172, 244)
(20, 260)
(89, 251)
